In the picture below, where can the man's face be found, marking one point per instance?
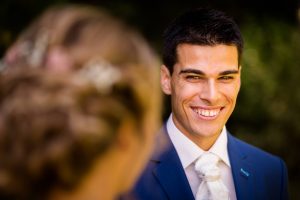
(203, 88)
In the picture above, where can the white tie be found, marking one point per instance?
(211, 187)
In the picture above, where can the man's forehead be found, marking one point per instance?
(206, 58)
(184, 51)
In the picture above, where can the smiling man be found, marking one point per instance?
(203, 86)
(196, 157)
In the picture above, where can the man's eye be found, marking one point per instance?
(193, 77)
(225, 78)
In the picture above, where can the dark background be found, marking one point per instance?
(268, 108)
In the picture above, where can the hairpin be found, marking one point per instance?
(100, 73)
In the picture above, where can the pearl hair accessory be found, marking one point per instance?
(100, 73)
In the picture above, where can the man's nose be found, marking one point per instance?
(209, 92)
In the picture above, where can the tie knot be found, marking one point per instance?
(206, 167)
(211, 186)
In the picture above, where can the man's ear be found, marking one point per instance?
(240, 71)
(240, 68)
(165, 80)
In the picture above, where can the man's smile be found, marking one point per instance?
(207, 113)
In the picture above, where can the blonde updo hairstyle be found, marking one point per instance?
(74, 115)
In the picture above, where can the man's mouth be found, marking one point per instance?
(211, 113)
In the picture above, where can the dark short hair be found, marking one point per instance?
(201, 26)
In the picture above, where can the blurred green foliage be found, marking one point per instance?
(268, 108)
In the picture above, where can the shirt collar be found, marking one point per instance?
(220, 147)
(188, 151)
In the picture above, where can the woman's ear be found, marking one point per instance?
(165, 80)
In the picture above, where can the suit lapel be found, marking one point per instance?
(169, 172)
(242, 171)
(171, 176)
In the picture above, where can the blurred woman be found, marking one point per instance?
(79, 107)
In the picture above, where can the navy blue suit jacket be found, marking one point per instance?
(257, 175)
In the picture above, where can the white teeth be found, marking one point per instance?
(207, 113)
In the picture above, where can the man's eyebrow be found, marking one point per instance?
(192, 71)
(227, 72)
(199, 72)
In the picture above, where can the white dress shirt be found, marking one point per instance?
(188, 153)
